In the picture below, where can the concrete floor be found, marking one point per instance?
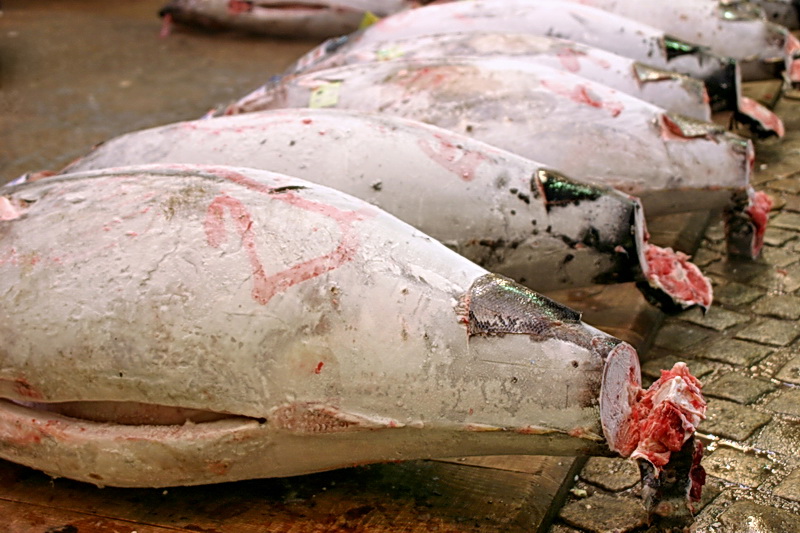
(76, 72)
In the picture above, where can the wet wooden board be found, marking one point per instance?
(486, 494)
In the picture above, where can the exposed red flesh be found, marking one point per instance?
(672, 272)
(769, 120)
(666, 415)
(697, 474)
(758, 211)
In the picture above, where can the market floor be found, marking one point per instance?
(74, 73)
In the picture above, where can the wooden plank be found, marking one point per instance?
(18, 517)
(619, 310)
(412, 496)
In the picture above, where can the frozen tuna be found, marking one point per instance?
(673, 163)
(736, 29)
(207, 324)
(576, 22)
(672, 91)
(297, 19)
(510, 215)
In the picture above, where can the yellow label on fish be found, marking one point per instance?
(326, 95)
(391, 52)
(369, 19)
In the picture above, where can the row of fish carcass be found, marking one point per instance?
(223, 296)
(595, 116)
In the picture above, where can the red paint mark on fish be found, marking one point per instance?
(422, 78)
(263, 290)
(758, 211)
(318, 369)
(569, 58)
(237, 7)
(267, 286)
(580, 93)
(21, 388)
(769, 120)
(463, 163)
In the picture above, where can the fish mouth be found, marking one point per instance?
(126, 453)
(131, 413)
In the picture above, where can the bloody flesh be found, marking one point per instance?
(673, 272)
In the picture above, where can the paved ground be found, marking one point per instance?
(747, 353)
(745, 349)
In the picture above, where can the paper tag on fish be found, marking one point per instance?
(326, 95)
(369, 19)
(391, 52)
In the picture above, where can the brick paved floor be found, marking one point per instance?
(746, 350)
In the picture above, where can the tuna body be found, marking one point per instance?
(507, 213)
(206, 324)
(672, 91)
(566, 122)
(299, 19)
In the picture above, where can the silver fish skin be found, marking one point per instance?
(294, 328)
(575, 22)
(674, 92)
(673, 163)
(299, 19)
(735, 29)
(508, 214)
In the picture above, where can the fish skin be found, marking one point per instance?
(734, 29)
(579, 23)
(675, 92)
(568, 20)
(508, 214)
(197, 287)
(556, 116)
(321, 19)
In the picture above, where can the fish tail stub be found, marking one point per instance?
(746, 223)
(659, 434)
(669, 273)
(761, 121)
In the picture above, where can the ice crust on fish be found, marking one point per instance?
(568, 20)
(564, 121)
(675, 92)
(199, 288)
(296, 19)
(738, 30)
(194, 293)
(507, 213)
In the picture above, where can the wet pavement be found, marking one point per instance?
(54, 105)
(747, 353)
(74, 73)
